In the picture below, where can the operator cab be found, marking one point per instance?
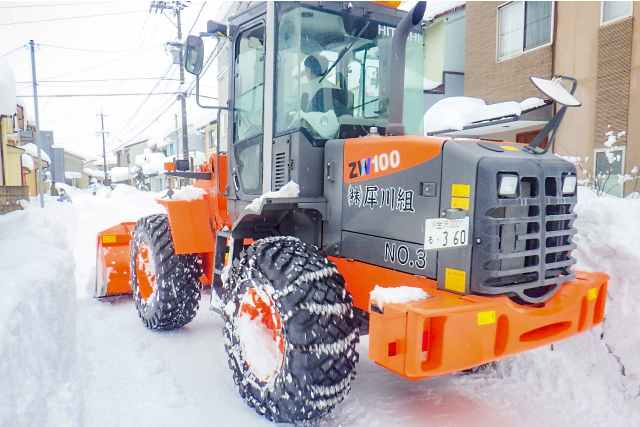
(302, 73)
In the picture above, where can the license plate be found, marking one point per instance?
(446, 233)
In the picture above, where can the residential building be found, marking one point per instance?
(594, 42)
(444, 54)
(74, 170)
(210, 138)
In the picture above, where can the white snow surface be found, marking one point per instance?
(32, 149)
(27, 161)
(398, 294)
(189, 193)
(290, 189)
(119, 174)
(455, 112)
(67, 359)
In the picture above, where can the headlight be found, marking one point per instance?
(569, 185)
(508, 185)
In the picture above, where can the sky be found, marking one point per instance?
(115, 49)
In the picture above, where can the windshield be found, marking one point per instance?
(320, 95)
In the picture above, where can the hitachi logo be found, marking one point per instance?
(372, 165)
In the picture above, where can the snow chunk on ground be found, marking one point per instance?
(189, 193)
(291, 189)
(399, 295)
(120, 173)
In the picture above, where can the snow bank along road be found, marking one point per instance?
(67, 359)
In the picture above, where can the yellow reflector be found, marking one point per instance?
(108, 239)
(510, 147)
(593, 294)
(486, 318)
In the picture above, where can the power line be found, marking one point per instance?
(99, 51)
(99, 80)
(71, 17)
(102, 94)
(56, 5)
(18, 48)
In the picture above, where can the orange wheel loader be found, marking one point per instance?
(326, 190)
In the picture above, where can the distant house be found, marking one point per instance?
(74, 170)
(593, 42)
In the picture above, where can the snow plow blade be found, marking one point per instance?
(112, 264)
(449, 333)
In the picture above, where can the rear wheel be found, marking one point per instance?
(166, 286)
(290, 330)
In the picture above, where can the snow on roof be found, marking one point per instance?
(120, 173)
(27, 161)
(72, 175)
(458, 111)
(32, 149)
(205, 118)
(8, 99)
(93, 172)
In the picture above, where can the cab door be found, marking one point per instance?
(248, 111)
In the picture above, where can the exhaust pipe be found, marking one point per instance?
(398, 53)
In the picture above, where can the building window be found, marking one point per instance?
(212, 138)
(608, 165)
(522, 26)
(615, 10)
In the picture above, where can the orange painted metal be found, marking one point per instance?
(112, 263)
(146, 278)
(449, 333)
(393, 4)
(192, 223)
(366, 158)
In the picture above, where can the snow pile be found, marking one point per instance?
(455, 112)
(8, 100)
(290, 189)
(399, 294)
(38, 364)
(189, 193)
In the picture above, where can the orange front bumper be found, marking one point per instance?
(449, 333)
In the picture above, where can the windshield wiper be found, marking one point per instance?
(344, 51)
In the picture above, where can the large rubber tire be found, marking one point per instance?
(314, 323)
(166, 286)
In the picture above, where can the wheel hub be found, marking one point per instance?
(260, 334)
(145, 272)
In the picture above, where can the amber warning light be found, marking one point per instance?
(169, 166)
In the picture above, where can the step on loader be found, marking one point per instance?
(325, 190)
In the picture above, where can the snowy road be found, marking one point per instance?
(121, 374)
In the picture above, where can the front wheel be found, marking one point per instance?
(166, 286)
(290, 330)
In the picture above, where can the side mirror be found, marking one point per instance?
(554, 90)
(193, 55)
(215, 28)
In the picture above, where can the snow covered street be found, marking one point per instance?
(67, 359)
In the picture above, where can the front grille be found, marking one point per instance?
(281, 171)
(524, 243)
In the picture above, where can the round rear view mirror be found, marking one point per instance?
(554, 90)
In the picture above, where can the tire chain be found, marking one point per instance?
(175, 300)
(313, 379)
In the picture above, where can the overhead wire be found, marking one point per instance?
(70, 17)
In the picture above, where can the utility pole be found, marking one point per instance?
(104, 151)
(37, 135)
(177, 6)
